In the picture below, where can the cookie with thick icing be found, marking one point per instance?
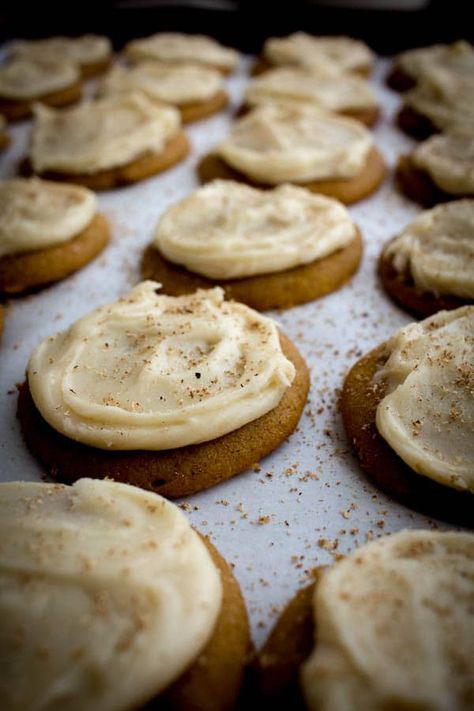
(187, 391)
(92, 54)
(48, 232)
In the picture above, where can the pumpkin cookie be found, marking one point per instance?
(439, 169)
(197, 91)
(268, 249)
(107, 143)
(414, 65)
(342, 54)
(92, 54)
(337, 643)
(4, 137)
(173, 394)
(407, 409)
(430, 265)
(327, 154)
(124, 573)
(176, 47)
(24, 81)
(345, 94)
(48, 231)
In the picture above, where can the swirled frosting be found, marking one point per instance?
(28, 79)
(173, 83)
(448, 158)
(427, 415)
(275, 144)
(99, 135)
(303, 85)
(394, 627)
(107, 595)
(227, 230)
(446, 100)
(38, 213)
(344, 54)
(177, 47)
(437, 249)
(457, 58)
(157, 372)
(84, 50)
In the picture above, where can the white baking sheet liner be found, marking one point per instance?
(309, 501)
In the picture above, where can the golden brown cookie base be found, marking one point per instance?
(347, 191)
(262, 65)
(359, 400)
(414, 124)
(30, 270)
(175, 472)
(417, 185)
(200, 110)
(14, 109)
(368, 117)
(398, 80)
(145, 166)
(4, 140)
(93, 69)
(280, 290)
(401, 288)
(214, 680)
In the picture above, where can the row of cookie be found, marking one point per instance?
(105, 581)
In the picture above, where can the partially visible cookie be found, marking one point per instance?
(429, 266)
(197, 91)
(186, 392)
(177, 47)
(24, 81)
(124, 574)
(342, 54)
(48, 231)
(407, 410)
(267, 249)
(328, 154)
(345, 94)
(92, 54)
(439, 169)
(413, 65)
(4, 137)
(106, 143)
(337, 644)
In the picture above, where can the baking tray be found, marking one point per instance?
(308, 502)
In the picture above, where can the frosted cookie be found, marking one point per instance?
(268, 249)
(106, 143)
(345, 94)
(429, 266)
(111, 600)
(92, 54)
(440, 168)
(173, 394)
(197, 91)
(328, 154)
(47, 232)
(176, 47)
(414, 65)
(4, 137)
(409, 413)
(343, 54)
(389, 626)
(441, 102)
(24, 81)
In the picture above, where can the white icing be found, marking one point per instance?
(178, 47)
(28, 79)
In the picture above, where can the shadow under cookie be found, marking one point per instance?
(198, 110)
(214, 680)
(16, 109)
(30, 270)
(417, 185)
(414, 124)
(402, 289)
(359, 400)
(144, 166)
(279, 290)
(347, 191)
(398, 80)
(174, 472)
